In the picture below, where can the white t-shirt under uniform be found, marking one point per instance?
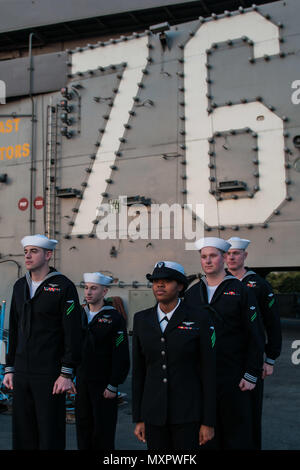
(210, 292)
(33, 287)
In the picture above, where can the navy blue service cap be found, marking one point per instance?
(168, 270)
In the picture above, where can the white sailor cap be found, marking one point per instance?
(238, 243)
(97, 278)
(40, 241)
(214, 242)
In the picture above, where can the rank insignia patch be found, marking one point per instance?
(213, 338)
(272, 300)
(119, 338)
(71, 306)
(253, 316)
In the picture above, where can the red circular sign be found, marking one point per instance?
(38, 202)
(23, 204)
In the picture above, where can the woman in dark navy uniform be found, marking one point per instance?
(174, 367)
(104, 365)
